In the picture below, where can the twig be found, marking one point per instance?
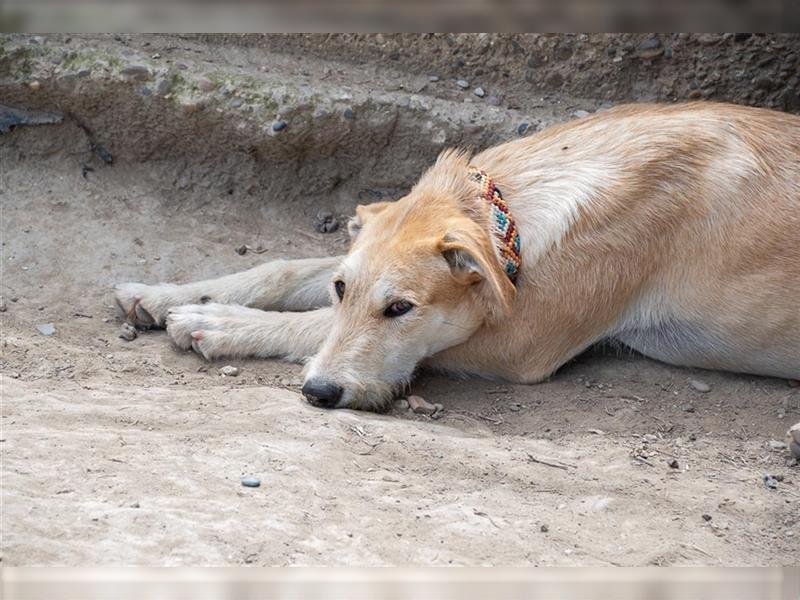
(485, 418)
(480, 513)
(566, 467)
(643, 460)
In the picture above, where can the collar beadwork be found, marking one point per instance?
(502, 223)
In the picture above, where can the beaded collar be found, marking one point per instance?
(502, 223)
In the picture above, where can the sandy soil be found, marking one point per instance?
(119, 452)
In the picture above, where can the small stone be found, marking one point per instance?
(479, 92)
(463, 84)
(84, 73)
(206, 85)
(401, 405)
(3, 307)
(135, 505)
(349, 114)
(140, 72)
(523, 128)
(651, 48)
(46, 328)
(673, 464)
(229, 371)
(439, 409)
(707, 517)
(433, 78)
(236, 102)
(325, 222)
(649, 438)
(515, 407)
(580, 114)
(163, 86)
(34, 85)
(793, 437)
(251, 482)
(699, 386)
(493, 100)
(127, 332)
(777, 445)
(420, 406)
(544, 529)
(278, 125)
(241, 250)
(770, 481)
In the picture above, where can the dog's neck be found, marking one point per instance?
(501, 222)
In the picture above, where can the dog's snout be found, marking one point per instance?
(322, 393)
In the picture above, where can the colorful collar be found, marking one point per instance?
(503, 225)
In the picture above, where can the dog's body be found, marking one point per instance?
(672, 229)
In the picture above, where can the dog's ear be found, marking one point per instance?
(473, 261)
(363, 214)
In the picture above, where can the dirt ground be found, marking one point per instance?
(118, 452)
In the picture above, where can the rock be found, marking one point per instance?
(479, 92)
(140, 72)
(433, 78)
(252, 482)
(493, 100)
(236, 102)
(278, 125)
(241, 250)
(349, 114)
(401, 405)
(420, 406)
(3, 307)
(463, 84)
(127, 332)
(699, 386)
(673, 464)
(325, 222)
(649, 438)
(206, 85)
(134, 505)
(144, 90)
(741, 37)
(651, 48)
(163, 86)
(229, 371)
(770, 481)
(544, 529)
(580, 114)
(46, 328)
(523, 127)
(793, 437)
(777, 445)
(707, 517)
(35, 85)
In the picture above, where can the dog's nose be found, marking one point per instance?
(322, 393)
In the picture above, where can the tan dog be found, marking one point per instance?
(672, 229)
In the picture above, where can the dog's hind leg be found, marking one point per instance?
(278, 285)
(217, 330)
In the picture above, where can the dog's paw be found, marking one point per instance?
(208, 329)
(144, 305)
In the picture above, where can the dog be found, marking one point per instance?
(672, 229)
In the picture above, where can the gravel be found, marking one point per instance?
(325, 222)
(127, 332)
(229, 371)
(479, 92)
(252, 482)
(278, 125)
(463, 84)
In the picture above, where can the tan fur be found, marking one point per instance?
(673, 229)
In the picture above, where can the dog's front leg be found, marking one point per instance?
(277, 285)
(217, 330)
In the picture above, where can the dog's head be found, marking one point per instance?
(422, 275)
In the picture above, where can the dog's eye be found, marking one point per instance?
(395, 309)
(339, 286)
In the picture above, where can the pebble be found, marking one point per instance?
(699, 386)
(770, 482)
(433, 78)
(420, 406)
(135, 505)
(34, 85)
(46, 328)
(163, 86)
(325, 222)
(3, 307)
(136, 71)
(206, 85)
(493, 100)
(479, 92)
(349, 114)
(651, 48)
(127, 332)
(707, 517)
(241, 250)
(252, 482)
(401, 405)
(278, 125)
(777, 445)
(523, 127)
(793, 436)
(229, 371)
(673, 464)
(544, 529)
(463, 84)
(579, 114)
